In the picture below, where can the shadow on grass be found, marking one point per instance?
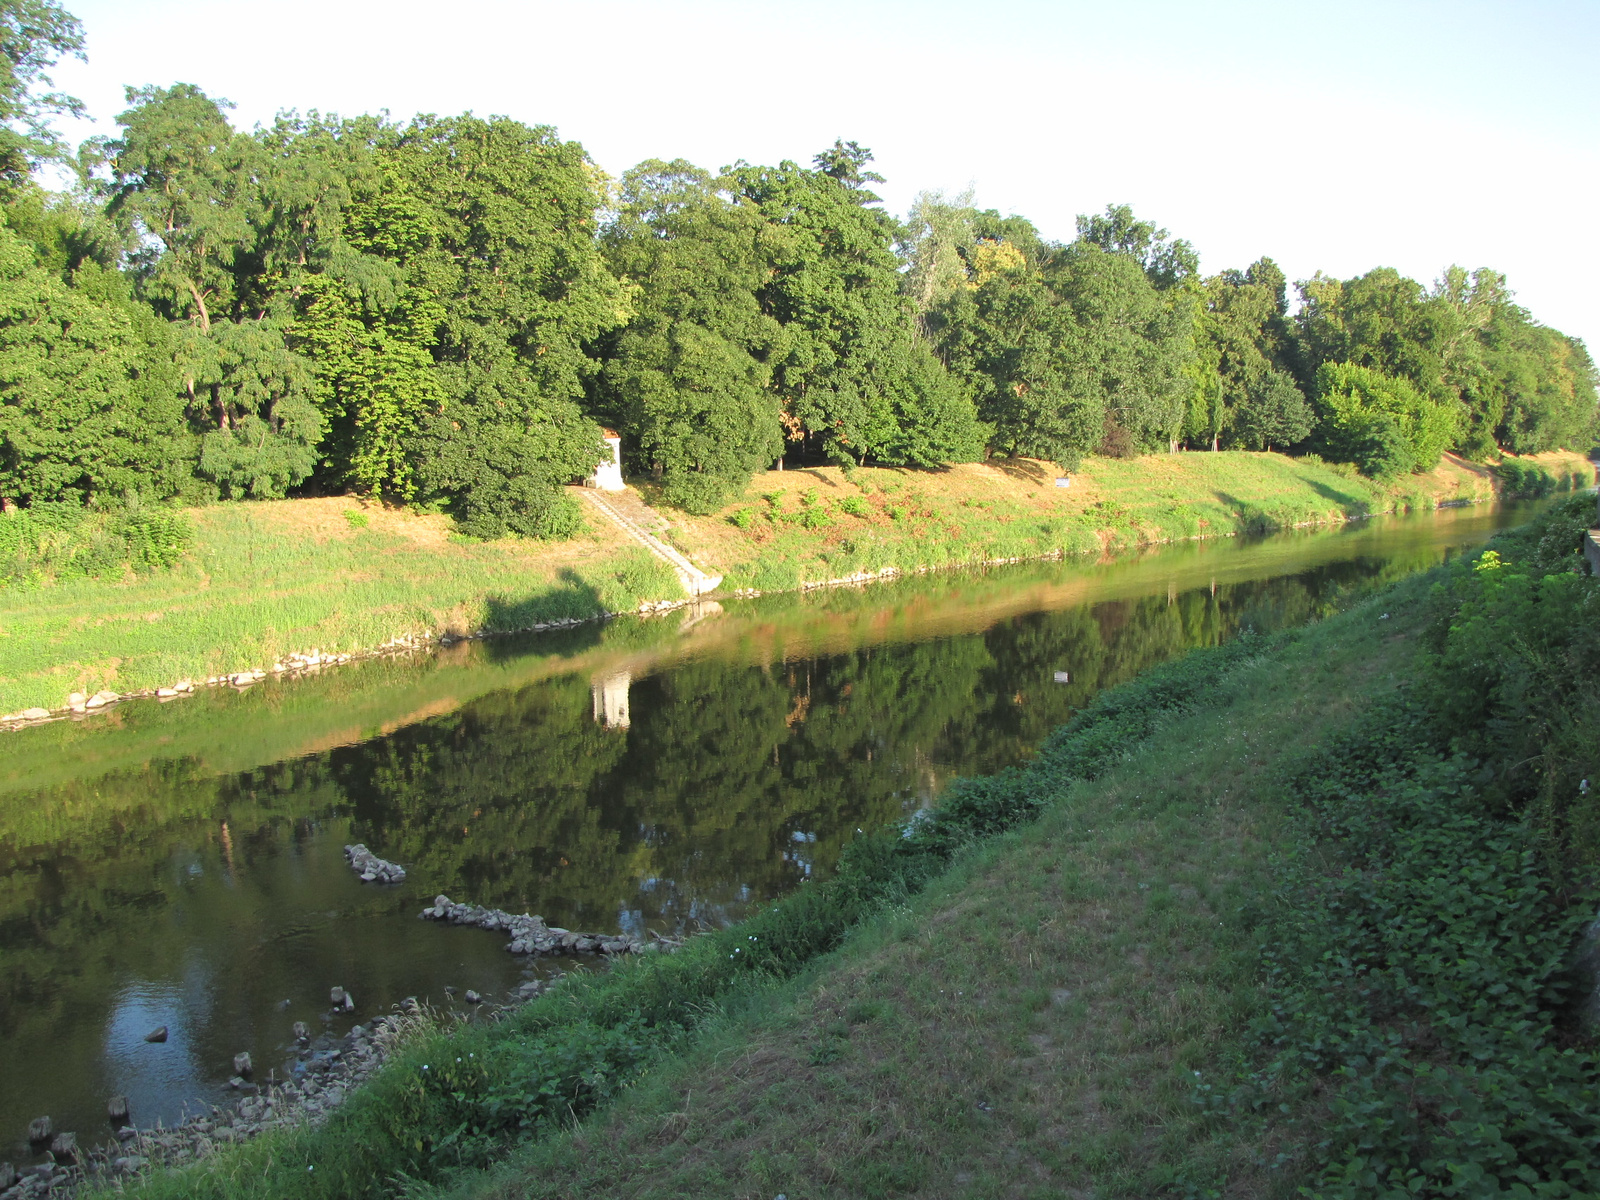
(1351, 505)
(1026, 469)
(573, 597)
(1252, 517)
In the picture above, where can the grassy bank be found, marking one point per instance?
(804, 526)
(261, 581)
(1251, 922)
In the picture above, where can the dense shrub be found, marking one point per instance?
(65, 540)
(1416, 957)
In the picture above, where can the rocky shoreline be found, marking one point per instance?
(530, 935)
(319, 1075)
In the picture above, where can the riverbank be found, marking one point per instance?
(283, 587)
(1074, 1002)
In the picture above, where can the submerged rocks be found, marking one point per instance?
(371, 868)
(529, 934)
(319, 1076)
(342, 999)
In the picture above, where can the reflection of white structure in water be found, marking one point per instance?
(611, 700)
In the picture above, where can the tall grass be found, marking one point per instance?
(258, 582)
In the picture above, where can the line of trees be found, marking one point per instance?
(444, 312)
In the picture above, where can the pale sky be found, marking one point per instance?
(1334, 136)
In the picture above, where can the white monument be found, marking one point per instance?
(608, 475)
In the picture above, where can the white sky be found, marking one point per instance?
(1331, 135)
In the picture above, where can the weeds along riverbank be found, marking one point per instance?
(138, 602)
(1295, 911)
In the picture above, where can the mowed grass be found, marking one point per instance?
(266, 580)
(1040, 1020)
(812, 525)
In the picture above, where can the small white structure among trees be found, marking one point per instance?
(608, 475)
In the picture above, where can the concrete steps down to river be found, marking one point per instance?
(635, 518)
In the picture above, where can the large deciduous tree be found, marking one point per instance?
(852, 372)
(89, 400)
(34, 36)
(505, 243)
(689, 378)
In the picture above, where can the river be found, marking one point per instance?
(181, 864)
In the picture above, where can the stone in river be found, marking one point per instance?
(342, 999)
(8, 1175)
(301, 1031)
(39, 1130)
(241, 1064)
(64, 1147)
(157, 1035)
(117, 1108)
(472, 997)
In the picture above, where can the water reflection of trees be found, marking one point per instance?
(729, 783)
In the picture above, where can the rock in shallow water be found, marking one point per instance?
(39, 1130)
(157, 1035)
(529, 934)
(371, 868)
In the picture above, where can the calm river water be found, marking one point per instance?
(182, 864)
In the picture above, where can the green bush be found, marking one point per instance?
(1416, 958)
(742, 518)
(1525, 481)
(855, 506)
(65, 540)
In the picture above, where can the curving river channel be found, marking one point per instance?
(181, 864)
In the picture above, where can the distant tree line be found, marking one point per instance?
(444, 311)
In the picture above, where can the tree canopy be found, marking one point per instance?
(445, 311)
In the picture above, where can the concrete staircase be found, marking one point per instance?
(627, 512)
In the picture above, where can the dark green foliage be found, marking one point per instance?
(1071, 347)
(689, 379)
(507, 251)
(1513, 656)
(1525, 481)
(89, 403)
(63, 540)
(433, 311)
(851, 371)
(1417, 955)
(1272, 412)
(1463, 345)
